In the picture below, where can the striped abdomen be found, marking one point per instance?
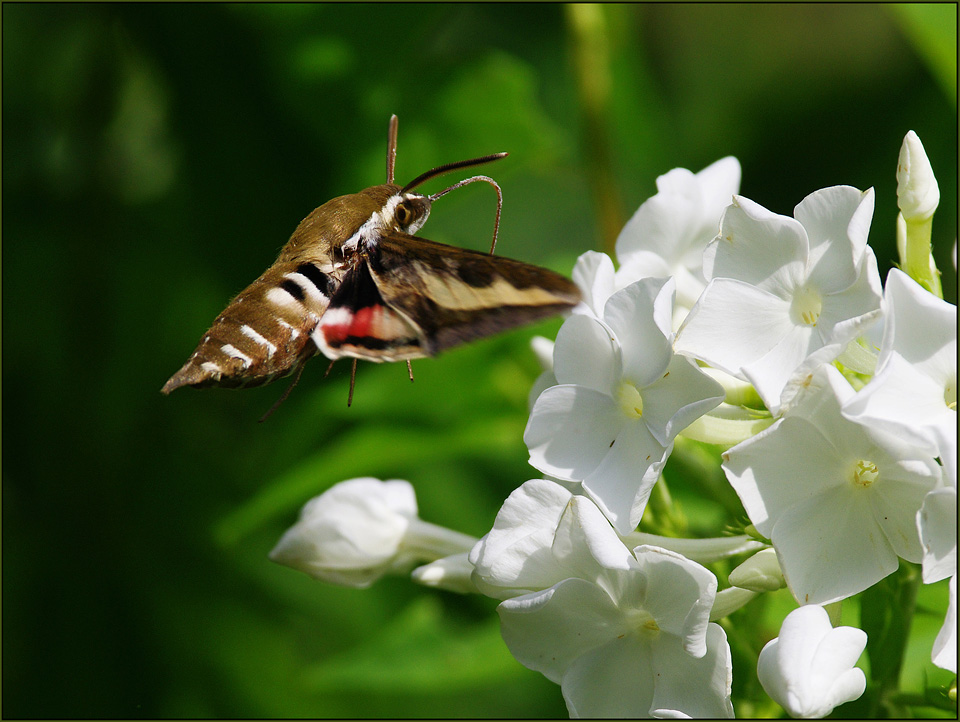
(265, 331)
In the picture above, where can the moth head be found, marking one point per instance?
(406, 212)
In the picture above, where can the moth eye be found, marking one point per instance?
(402, 215)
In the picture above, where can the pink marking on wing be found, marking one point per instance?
(363, 320)
(357, 325)
(335, 333)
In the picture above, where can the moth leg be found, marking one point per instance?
(353, 378)
(410, 370)
(329, 369)
(285, 394)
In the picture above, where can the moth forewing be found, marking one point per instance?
(454, 295)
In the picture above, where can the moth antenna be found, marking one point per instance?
(284, 395)
(491, 181)
(443, 169)
(410, 370)
(353, 378)
(392, 147)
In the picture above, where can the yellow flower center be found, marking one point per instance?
(630, 400)
(950, 394)
(807, 306)
(641, 621)
(865, 473)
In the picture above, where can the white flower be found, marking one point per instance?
(669, 232)
(918, 193)
(837, 499)
(808, 670)
(359, 530)
(622, 398)
(785, 294)
(624, 634)
(914, 393)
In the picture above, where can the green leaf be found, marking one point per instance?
(420, 651)
(886, 615)
(932, 28)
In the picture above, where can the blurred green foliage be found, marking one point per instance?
(156, 157)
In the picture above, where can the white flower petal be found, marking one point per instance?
(586, 546)
(662, 225)
(718, 182)
(920, 327)
(770, 374)
(937, 523)
(515, 555)
(698, 687)
(944, 653)
(849, 313)
(680, 181)
(678, 578)
(897, 497)
(641, 317)
(946, 437)
(689, 288)
(547, 631)
(758, 247)
(680, 397)
(831, 547)
(828, 391)
(587, 354)
(542, 348)
(807, 377)
(543, 382)
(594, 275)
(789, 449)
(837, 221)
(571, 430)
(616, 680)
(733, 324)
(621, 483)
(642, 264)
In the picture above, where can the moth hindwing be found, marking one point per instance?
(353, 281)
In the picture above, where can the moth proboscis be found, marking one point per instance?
(354, 281)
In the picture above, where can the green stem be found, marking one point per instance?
(725, 432)
(917, 256)
(590, 47)
(665, 515)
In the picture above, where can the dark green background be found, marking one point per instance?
(156, 157)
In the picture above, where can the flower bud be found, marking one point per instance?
(352, 533)
(759, 573)
(918, 194)
(809, 669)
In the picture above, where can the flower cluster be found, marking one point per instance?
(832, 396)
